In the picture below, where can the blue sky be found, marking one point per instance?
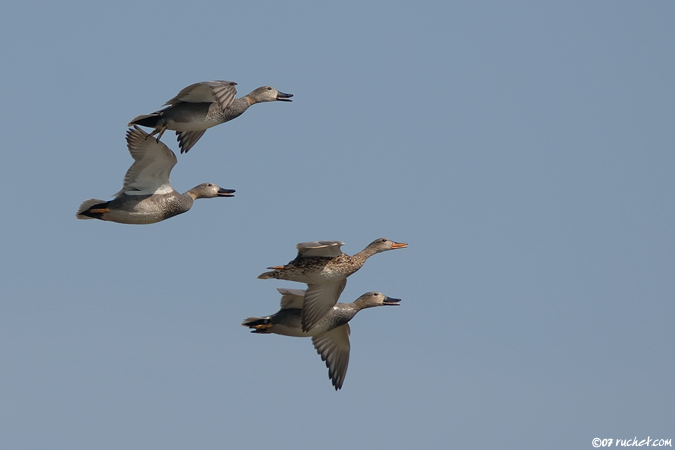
(523, 150)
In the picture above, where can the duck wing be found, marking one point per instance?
(153, 161)
(333, 346)
(187, 139)
(292, 298)
(223, 92)
(329, 249)
(319, 299)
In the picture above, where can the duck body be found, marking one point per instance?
(316, 269)
(288, 322)
(204, 105)
(140, 209)
(134, 210)
(330, 336)
(147, 196)
(325, 268)
(186, 116)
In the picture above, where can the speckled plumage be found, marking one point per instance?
(330, 335)
(323, 266)
(201, 106)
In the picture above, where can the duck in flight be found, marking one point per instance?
(147, 195)
(201, 106)
(330, 335)
(325, 268)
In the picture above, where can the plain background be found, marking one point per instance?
(523, 150)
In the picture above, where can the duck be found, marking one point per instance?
(204, 105)
(325, 268)
(147, 196)
(330, 335)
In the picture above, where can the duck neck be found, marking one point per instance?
(190, 196)
(364, 254)
(344, 312)
(237, 107)
(360, 304)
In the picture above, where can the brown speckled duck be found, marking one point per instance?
(325, 268)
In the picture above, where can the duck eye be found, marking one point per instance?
(269, 88)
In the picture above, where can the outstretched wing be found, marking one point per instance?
(223, 92)
(153, 161)
(319, 299)
(187, 139)
(333, 346)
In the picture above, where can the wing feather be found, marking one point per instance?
(153, 161)
(330, 249)
(187, 139)
(333, 346)
(291, 298)
(319, 299)
(223, 92)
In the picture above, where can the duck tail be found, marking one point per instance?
(92, 209)
(259, 324)
(146, 120)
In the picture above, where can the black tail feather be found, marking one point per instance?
(148, 120)
(259, 324)
(91, 211)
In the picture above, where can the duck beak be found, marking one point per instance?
(391, 301)
(396, 245)
(226, 192)
(281, 97)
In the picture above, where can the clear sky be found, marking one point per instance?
(523, 150)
